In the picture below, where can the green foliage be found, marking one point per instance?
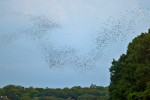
(12, 92)
(2, 92)
(91, 97)
(50, 98)
(75, 93)
(25, 96)
(131, 73)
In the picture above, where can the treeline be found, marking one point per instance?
(130, 75)
(75, 93)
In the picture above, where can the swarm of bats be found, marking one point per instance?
(110, 31)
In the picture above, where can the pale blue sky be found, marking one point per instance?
(65, 43)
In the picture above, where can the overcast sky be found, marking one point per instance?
(66, 43)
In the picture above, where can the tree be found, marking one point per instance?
(2, 92)
(131, 73)
(12, 92)
(25, 96)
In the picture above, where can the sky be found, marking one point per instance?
(66, 43)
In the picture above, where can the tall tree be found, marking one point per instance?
(131, 73)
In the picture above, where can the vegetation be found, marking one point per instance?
(130, 75)
(75, 93)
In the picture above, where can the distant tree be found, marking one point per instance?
(49, 98)
(2, 92)
(20, 93)
(93, 86)
(12, 92)
(25, 96)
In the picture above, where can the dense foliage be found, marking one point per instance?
(130, 75)
(75, 93)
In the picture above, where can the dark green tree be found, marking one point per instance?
(130, 74)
